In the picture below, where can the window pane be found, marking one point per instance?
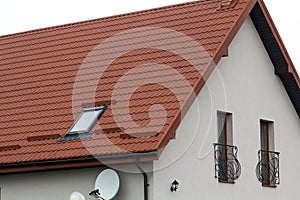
(264, 136)
(221, 128)
(86, 121)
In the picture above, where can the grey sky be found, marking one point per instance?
(20, 15)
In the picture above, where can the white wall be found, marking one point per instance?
(58, 185)
(245, 85)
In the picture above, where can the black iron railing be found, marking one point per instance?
(267, 169)
(227, 166)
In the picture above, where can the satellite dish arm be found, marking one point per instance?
(146, 185)
(96, 194)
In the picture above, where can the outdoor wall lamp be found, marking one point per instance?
(174, 186)
(76, 196)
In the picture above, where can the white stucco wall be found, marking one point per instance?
(250, 91)
(58, 185)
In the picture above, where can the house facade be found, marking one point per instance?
(252, 90)
(211, 90)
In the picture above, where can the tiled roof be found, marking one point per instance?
(47, 74)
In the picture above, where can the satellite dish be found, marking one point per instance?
(108, 183)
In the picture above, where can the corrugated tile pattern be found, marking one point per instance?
(38, 70)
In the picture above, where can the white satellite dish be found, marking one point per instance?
(108, 183)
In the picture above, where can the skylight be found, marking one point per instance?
(83, 124)
(86, 120)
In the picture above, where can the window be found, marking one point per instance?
(268, 165)
(227, 167)
(266, 135)
(224, 128)
(86, 120)
(83, 124)
(265, 141)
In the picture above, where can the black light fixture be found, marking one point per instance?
(95, 193)
(174, 186)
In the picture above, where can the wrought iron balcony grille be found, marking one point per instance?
(267, 169)
(227, 166)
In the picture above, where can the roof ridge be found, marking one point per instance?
(105, 18)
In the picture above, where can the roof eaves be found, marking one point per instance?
(291, 67)
(223, 48)
(74, 163)
(277, 52)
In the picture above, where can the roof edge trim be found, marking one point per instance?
(277, 52)
(223, 49)
(74, 163)
(232, 33)
(291, 67)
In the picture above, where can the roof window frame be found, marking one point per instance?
(103, 108)
(78, 135)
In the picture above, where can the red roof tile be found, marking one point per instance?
(39, 69)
